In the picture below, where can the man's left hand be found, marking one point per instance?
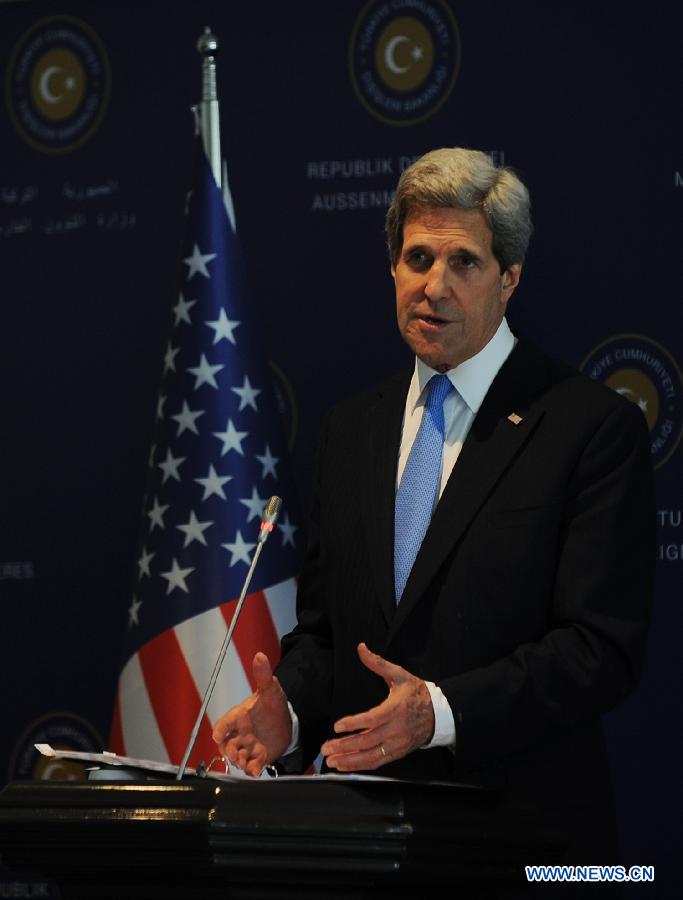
(390, 731)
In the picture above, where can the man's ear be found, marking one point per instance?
(392, 269)
(510, 278)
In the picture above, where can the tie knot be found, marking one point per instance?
(439, 388)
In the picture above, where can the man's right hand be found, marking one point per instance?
(257, 731)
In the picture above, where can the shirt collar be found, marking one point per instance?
(473, 377)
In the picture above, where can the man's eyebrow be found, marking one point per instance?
(417, 245)
(466, 251)
(421, 247)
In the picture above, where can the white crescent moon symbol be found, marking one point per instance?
(389, 52)
(624, 391)
(44, 85)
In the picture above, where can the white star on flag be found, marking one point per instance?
(133, 612)
(194, 530)
(170, 466)
(232, 439)
(254, 504)
(144, 561)
(213, 484)
(176, 578)
(247, 394)
(287, 530)
(205, 373)
(181, 311)
(160, 405)
(239, 550)
(156, 515)
(169, 358)
(186, 419)
(223, 328)
(197, 262)
(268, 461)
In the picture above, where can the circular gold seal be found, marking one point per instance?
(57, 84)
(405, 54)
(404, 58)
(644, 372)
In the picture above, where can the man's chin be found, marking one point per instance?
(438, 361)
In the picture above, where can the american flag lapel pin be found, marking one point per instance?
(515, 418)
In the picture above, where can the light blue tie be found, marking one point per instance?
(419, 488)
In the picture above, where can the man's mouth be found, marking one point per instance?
(433, 320)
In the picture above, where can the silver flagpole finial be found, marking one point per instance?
(207, 46)
(207, 43)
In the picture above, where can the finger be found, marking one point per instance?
(262, 670)
(225, 725)
(236, 743)
(389, 671)
(255, 767)
(365, 740)
(229, 751)
(243, 758)
(251, 758)
(364, 760)
(364, 721)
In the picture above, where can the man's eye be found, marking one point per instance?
(417, 259)
(464, 261)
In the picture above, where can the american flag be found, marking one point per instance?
(219, 453)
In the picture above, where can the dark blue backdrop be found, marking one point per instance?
(582, 99)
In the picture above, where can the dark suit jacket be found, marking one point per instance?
(528, 601)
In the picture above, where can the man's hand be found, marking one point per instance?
(257, 731)
(399, 725)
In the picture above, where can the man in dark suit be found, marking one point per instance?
(484, 524)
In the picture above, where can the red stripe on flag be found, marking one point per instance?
(174, 699)
(116, 735)
(254, 631)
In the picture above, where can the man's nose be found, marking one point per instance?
(437, 286)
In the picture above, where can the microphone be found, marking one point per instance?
(270, 516)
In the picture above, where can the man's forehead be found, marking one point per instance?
(466, 225)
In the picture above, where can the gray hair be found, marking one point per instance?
(454, 177)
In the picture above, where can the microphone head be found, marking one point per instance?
(272, 510)
(270, 514)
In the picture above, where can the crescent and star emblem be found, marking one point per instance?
(58, 83)
(44, 84)
(404, 59)
(390, 54)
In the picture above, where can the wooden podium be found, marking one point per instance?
(205, 839)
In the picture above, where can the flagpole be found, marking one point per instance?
(209, 123)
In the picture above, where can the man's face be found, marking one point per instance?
(450, 293)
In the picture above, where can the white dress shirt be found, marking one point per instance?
(471, 380)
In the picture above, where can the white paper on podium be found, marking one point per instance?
(111, 759)
(106, 758)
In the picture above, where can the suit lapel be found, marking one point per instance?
(491, 445)
(382, 435)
